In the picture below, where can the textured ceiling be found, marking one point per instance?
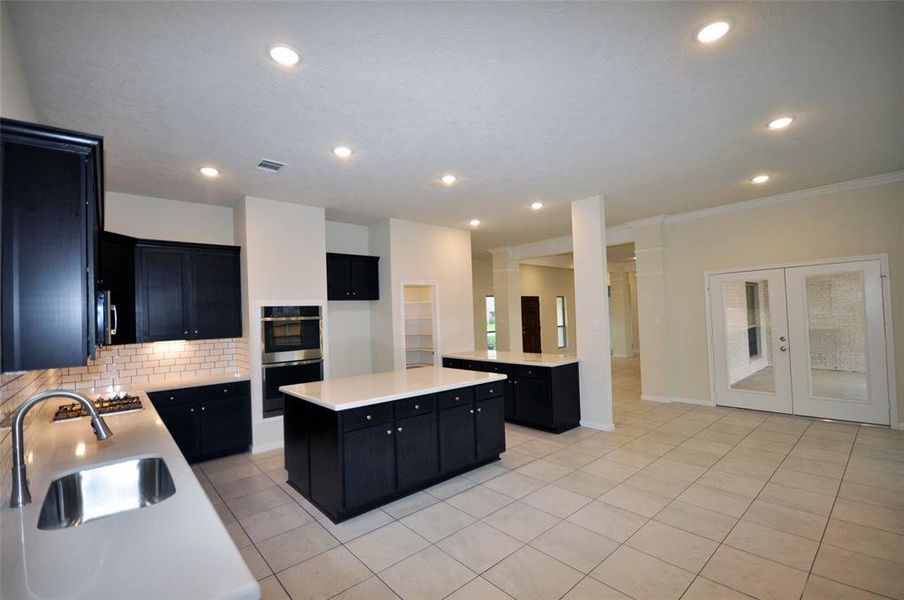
(548, 101)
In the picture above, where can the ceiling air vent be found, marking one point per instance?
(270, 166)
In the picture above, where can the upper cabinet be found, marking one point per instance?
(187, 291)
(352, 277)
(52, 208)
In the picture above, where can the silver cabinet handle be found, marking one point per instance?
(457, 398)
(225, 390)
(389, 432)
(203, 408)
(191, 410)
(172, 397)
(196, 331)
(186, 332)
(417, 407)
(115, 315)
(479, 410)
(472, 411)
(491, 391)
(369, 417)
(400, 429)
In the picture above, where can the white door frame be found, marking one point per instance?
(891, 370)
(400, 353)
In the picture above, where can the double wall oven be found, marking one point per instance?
(291, 351)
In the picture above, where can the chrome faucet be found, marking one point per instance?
(20, 494)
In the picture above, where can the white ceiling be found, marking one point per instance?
(523, 101)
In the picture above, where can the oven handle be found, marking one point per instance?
(292, 364)
(289, 319)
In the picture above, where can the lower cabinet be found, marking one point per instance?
(547, 398)
(208, 421)
(348, 462)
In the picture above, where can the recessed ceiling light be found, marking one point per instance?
(474, 222)
(713, 31)
(536, 205)
(284, 55)
(209, 172)
(342, 152)
(449, 179)
(760, 179)
(780, 123)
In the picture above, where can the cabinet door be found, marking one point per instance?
(162, 299)
(116, 274)
(532, 401)
(416, 451)
(456, 437)
(47, 304)
(181, 421)
(368, 464)
(216, 294)
(365, 284)
(225, 424)
(510, 393)
(338, 278)
(490, 428)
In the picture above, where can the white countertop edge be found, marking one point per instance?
(514, 360)
(490, 377)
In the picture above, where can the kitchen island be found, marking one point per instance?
(542, 391)
(355, 443)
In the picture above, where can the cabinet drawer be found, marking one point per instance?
(183, 396)
(455, 397)
(494, 367)
(224, 390)
(366, 415)
(410, 407)
(489, 390)
(453, 363)
(529, 371)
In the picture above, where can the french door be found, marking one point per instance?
(806, 340)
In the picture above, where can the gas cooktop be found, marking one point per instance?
(119, 403)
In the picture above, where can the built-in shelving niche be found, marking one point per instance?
(420, 326)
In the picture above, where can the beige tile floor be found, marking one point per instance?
(679, 501)
(825, 384)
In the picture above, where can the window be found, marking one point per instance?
(561, 324)
(491, 322)
(752, 289)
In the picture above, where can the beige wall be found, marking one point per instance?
(482, 275)
(856, 222)
(547, 283)
(15, 99)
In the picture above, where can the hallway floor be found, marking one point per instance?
(679, 501)
(826, 384)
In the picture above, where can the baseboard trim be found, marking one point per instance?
(661, 399)
(900, 426)
(266, 447)
(695, 401)
(599, 426)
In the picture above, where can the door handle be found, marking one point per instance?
(783, 348)
(783, 339)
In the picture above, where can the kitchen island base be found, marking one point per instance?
(347, 462)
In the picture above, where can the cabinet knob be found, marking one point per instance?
(399, 429)
(491, 390)
(203, 408)
(191, 410)
(472, 411)
(369, 417)
(354, 293)
(457, 398)
(172, 397)
(417, 407)
(186, 332)
(479, 410)
(346, 293)
(389, 432)
(196, 331)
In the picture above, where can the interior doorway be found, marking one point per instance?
(530, 324)
(805, 340)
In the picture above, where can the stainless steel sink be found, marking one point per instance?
(99, 492)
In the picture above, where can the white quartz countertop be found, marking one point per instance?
(199, 381)
(364, 390)
(175, 549)
(517, 358)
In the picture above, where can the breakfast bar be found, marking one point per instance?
(355, 443)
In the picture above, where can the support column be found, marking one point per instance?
(588, 230)
(620, 311)
(507, 290)
(649, 247)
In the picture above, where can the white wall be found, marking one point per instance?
(424, 254)
(349, 339)
(482, 278)
(173, 220)
(15, 99)
(284, 247)
(547, 283)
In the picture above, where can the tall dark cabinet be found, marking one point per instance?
(52, 209)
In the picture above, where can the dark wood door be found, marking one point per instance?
(530, 324)
(532, 401)
(216, 294)
(162, 293)
(45, 293)
(181, 421)
(225, 425)
(365, 283)
(456, 437)
(490, 427)
(338, 278)
(116, 274)
(418, 456)
(369, 464)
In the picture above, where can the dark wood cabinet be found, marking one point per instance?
(348, 462)
(207, 421)
(456, 437)
(352, 277)
(116, 275)
(547, 398)
(417, 458)
(51, 184)
(369, 464)
(187, 292)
